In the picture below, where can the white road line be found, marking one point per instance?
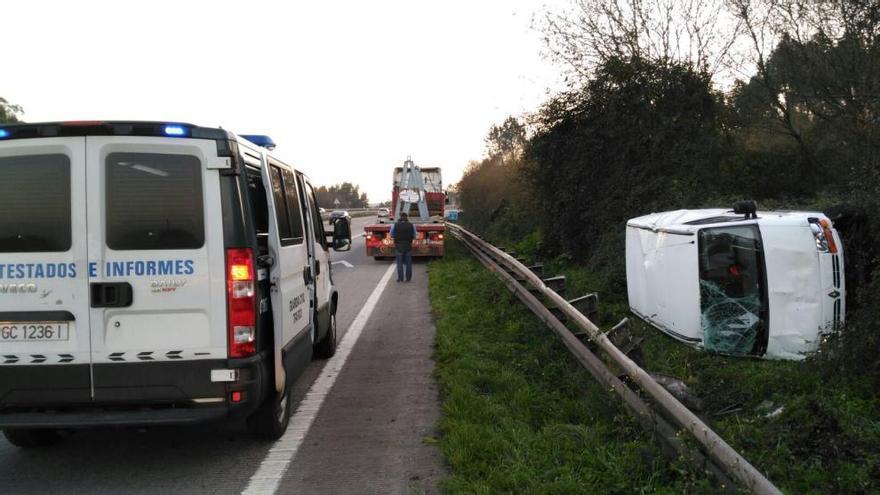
(268, 476)
(343, 263)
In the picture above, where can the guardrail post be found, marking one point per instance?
(537, 269)
(588, 305)
(622, 338)
(556, 284)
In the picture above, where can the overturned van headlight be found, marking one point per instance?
(821, 229)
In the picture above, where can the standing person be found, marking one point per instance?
(403, 234)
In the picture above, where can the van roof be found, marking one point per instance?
(693, 220)
(110, 128)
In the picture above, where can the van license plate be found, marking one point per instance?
(33, 332)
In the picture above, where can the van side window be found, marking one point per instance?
(293, 209)
(259, 207)
(732, 295)
(320, 237)
(35, 203)
(280, 204)
(154, 201)
(288, 214)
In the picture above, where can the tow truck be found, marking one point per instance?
(419, 193)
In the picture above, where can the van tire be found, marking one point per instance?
(270, 420)
(326, 347)
(28, 439)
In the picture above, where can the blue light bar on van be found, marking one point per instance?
(175, 130)
(4, 133)
(260, 140)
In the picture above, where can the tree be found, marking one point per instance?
(9, 112)
(346, 194)
(641, 136)
(701, 33)
(817, 82)
(506, 140)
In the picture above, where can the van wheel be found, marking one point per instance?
(326, 348)
(270, 421)
(27, 439)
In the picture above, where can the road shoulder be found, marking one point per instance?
(373, 432)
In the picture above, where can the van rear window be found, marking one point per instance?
(35, 203)
(154, 201)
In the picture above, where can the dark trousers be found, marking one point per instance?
(404, 258)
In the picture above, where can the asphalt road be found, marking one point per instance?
(367, 437)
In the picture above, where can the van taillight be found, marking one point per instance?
(241, 299)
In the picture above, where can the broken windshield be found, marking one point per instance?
(732, 296)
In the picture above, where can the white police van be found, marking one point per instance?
(155, 273)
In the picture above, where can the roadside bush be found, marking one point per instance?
(640, 137)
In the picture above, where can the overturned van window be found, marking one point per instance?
(35, 203)
(732, 296)
(154, 201)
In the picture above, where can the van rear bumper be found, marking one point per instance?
(105, 418)
(129, 394)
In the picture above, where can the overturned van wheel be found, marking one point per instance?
(326, 348)
(27, 439)
(270, 421)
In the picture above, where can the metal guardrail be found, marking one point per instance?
(716, 456)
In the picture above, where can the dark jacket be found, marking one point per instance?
(403, 233)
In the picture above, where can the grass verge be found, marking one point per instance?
(519, 414)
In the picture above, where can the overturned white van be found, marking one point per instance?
(765, 284)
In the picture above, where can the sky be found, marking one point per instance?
(347, 89)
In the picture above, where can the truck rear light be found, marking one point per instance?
(241, 300)
(237, 396)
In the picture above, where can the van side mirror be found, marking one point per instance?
(341, 235)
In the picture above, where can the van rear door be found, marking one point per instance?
(157, 281)
(44, 305)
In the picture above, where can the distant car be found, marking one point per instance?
(337, 214)
(323, 211)
(383, 213)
